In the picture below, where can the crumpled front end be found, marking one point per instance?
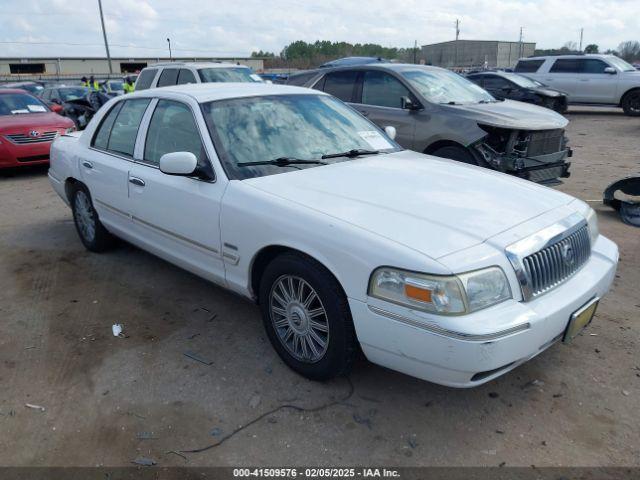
(536, 155)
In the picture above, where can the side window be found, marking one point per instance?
(186, 76)
(528, 66)
(146, 78)
(101, 138)
(46, 95)
(341, 84)
(566, 65)
(123, 135)
(169, 76)
(380, 88)
(173, 129)
(493, 82)
(477, 79)
(593, 65)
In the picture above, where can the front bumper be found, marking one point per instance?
(22, 155)
(425, 346)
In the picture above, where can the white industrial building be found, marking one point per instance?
(72, 66)
(476, 53)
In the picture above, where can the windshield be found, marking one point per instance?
(304, 127)
(239, 74)
(72, 93)
(20, 103)
(521, 81)
(620, 64)
(116, 85)
(443, 86)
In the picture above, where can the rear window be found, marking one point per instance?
(341, 84)
(169, 76)
(566, 65)
(146, 78)
(528, 66)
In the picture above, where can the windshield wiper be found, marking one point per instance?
(351, 153)
(282, 162)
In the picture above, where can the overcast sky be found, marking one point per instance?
(237, 27)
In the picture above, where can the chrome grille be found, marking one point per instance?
(555, 263)
(25, 138)
(545, 142)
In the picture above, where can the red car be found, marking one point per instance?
(27, 129)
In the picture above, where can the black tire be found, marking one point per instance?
(341, 344)
(86, 219)
(631, 103)
(454, 152)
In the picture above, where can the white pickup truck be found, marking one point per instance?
(591, 79)
(445, 271)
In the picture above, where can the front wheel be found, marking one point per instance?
(307, 317)
(92, 233)
(454, 152)
(631, 103)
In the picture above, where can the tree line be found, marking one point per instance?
(629, 50)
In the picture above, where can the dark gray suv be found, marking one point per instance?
(438, 112)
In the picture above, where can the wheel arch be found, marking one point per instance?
(70, 185)
(442, 143)
(268, 253)
(631, 90)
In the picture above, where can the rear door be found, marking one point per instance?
(106, 170)
(168, 77)
(177, 216)
(380, 99)
(186, 76)
(563, 75)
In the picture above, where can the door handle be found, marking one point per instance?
(137, 181)
(87, 164)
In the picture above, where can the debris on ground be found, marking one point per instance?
(145, 436)
(628, 207)
(532, 383)
(198, 358)
(34, 407)
(413, 443)
(215, 432)
(173, 452)
(625, 393)
(254, 401)
(144, 461)
(500, 432)
(362, 420)
(116, 329)
(192, 336)
(493, 395)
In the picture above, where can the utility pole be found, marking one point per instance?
(520, 42)
(581, 34)
(104, 34)
(415, 52)
(170, 56)
(456, 44)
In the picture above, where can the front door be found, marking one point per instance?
(177, 216)
(381, 102)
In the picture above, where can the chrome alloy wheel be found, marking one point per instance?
(299, 318)
(85, 216)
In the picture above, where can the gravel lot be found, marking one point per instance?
(572, 405)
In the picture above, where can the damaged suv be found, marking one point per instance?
(438, 112)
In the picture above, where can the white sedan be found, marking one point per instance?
(441, 270)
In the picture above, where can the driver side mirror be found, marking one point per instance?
(610, 70)
(407, 104)
(56, 107)
(178, 163)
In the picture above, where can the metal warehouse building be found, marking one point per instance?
(67, 66)
(476, 53)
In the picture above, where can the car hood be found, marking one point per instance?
(429, 204)
(548, 92)
(22, 122)
(510, 114)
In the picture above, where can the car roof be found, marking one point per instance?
(207, 92)
(396, 67)
(13, 90)
(197, 65)
(15, 84)
(568, 56)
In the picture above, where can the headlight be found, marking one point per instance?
(440, 294)
(592, 220)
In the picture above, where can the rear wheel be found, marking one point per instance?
(457, 153)
(307, 317)
(631, 103)
(90, 230)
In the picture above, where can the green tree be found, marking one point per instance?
(591, 48)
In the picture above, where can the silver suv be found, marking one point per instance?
(588, 79)
(180, 73)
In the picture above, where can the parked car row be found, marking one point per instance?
(439, 269)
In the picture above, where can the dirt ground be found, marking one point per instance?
(104, 396)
